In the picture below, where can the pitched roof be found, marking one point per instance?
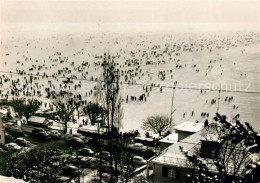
(36, 119)
(173, 154)
(172, 138)
(189, 126)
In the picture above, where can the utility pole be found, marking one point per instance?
(219, 90)
(172, 103)
(218, 98)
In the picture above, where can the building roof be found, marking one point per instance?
(3, 111)
(175, 157)
(171, 139)
(189, 126)
(173, 154)
(144, 139)
(37, 119)
(92, 129)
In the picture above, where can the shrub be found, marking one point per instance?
(16, 132)
(93, 142)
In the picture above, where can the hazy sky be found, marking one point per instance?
(164, 12)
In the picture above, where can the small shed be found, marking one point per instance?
(145, 141)
(187, 128)
(38, 121)
(168, 140)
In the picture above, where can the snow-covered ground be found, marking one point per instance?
(232, 59)
(4, 179)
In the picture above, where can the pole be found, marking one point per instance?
(219, 90)
(78, 166)
(172, 103)
(218, 98)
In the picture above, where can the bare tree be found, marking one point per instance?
(65, 108)
(157, 123)
(108, 95)
(95, 112)
(126, 165)
(23, 108)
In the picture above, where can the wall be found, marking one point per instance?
(164, 145)
(182, 135)
(157, 176)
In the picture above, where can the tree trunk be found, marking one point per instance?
(66, 127)
(100, 160)
(116, 162)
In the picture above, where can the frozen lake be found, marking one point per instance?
(193, 60)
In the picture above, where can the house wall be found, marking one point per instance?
(183, 135)
(164, 145)
(158, 177)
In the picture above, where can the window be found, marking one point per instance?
(209, 148)
(169, 172)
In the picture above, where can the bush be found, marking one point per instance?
(3, 147)
(93, 142)
(8, 116)
(36, 130)
(148, 153)
(74, 142)
(16, 132)
(8, 138)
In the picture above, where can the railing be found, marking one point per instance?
(175, 161)
(139, 170)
